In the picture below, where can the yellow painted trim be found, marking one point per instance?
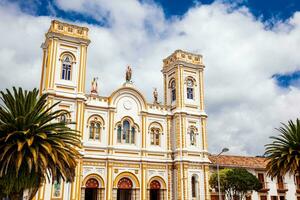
(201, 92)
(53, 66)
(144, 189)
(48, 66)
(43, 71)
(143, 131)
(95, 176)
(109, 181)
(160, 180)
(129, 175)
(68, 46)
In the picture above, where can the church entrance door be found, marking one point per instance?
(91, 189)
(154, 190)
(124, 189)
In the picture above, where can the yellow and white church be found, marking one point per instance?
(131, 149)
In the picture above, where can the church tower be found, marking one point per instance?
(63, 79)
(184, 95)
(64, 59)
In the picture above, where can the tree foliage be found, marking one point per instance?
(283, 154)
(235, 183)
(34, 145)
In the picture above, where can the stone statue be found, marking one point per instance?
(155, 96)
(94, 88)
(128, 74)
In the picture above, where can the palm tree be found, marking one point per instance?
(283, 154)
(34, 145)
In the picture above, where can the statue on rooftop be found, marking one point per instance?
(128, 74)
(94, 89)
(155, 96)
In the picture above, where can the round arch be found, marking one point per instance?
(93, 176)
(96, 117)
(190, 78)
(131, 121)
(119, 92)
(67, 53)
(128, 175)
(159, 179)
(170, 82)
(155, 124)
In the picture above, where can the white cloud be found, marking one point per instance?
(243, 102)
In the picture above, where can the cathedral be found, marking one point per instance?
(131, 149)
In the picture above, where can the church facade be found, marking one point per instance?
(131, 149)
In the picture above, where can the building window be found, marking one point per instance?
(190, 89)
(119, 134)
(66, 68)
(95, 130)
(248, 197)
(263, 197)
(297, 181)
(57, 189)
(280, 182)
(173, 90)
(126, 132)
(65, 117)
(194, 186)
(261, 179)
(155, 136)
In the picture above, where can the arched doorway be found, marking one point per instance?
(124, 189)
(91, 189)
(155, 190)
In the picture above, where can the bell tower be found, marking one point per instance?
(183, 80)
(63, 78)
(64, 59)
(184, 95)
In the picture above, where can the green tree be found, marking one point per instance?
(34, 145)
(283, 154)
(235, 183)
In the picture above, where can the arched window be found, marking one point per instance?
(190, 89)
(194, 187)
(126, 132)
(132, 135)
(119, 134)
(66, 68)
(57, 189)
(95, 130)
(155, 136)
(63, 118)
(173, 90)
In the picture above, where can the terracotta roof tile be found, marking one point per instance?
(239, 161)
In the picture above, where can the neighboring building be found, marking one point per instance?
(132, 149)
(279, 188)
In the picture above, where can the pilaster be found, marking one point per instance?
(144, 181)
(109, 180)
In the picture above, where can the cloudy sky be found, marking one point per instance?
(251, 51)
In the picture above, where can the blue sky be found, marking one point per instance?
(250, 49)
(268, 11)
(263, 9)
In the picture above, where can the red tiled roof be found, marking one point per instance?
(239, 161)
